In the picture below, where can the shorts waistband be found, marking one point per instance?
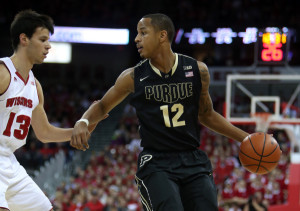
(169, 153)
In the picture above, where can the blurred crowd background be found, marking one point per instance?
(208, 13)
(188, 14)
(106, 182)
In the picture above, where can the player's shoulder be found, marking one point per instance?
(39, 91)
(38, 84)
(4, 77)
(4, 72)
(128, 72)
(202, 66)
(126, 76)
(125, 81)
(186, 59)
(185, 56)
(3, 68)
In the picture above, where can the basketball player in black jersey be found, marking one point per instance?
(170, 94)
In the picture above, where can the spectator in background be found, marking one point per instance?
(77, 203)
(110, 204)
(240, 192)
(94, 203)
(256, 203)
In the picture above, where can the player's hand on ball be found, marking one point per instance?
(259, 153)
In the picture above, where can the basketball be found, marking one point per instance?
(259, 153)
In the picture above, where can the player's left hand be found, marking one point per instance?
(80, 136)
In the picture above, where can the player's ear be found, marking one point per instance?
(23, 39)
(163, 35)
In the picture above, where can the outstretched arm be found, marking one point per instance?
(43, 130)
(99, 110)
(209, 117)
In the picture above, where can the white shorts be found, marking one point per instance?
(17, 190)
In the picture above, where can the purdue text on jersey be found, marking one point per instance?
(169, 93)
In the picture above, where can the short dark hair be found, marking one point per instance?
(162, 22)
(27, 21)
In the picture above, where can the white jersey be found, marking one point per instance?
(16, 106)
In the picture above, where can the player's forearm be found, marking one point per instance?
(219, 124)
(95, 113)
(55, 134)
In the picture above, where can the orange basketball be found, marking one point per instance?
(259, 153)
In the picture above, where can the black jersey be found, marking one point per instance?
(167, 105)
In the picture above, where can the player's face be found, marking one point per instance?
(38, 46)
(147, 39)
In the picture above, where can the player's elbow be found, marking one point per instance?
(42, 135)
(205, 114)
(204, 120)
(207, 117)
(43, 139)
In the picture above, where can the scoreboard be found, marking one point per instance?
(269, 45)
(272, 46)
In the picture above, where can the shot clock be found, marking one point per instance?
(272, 46)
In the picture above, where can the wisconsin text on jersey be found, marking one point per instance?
(19, 101)
(169, 93)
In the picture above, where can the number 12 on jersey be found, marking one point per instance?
(178, 109)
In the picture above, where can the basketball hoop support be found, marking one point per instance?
(275, 99)
(236, 79)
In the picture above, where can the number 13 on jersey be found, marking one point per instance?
(178, 109)
(20, 133)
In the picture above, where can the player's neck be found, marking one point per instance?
(22, 64)
(164, 61)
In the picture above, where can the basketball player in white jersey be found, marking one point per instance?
(21, 105)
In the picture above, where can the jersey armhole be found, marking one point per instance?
(37, 93)
(1, 62)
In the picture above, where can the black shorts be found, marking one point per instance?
(176, 181)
